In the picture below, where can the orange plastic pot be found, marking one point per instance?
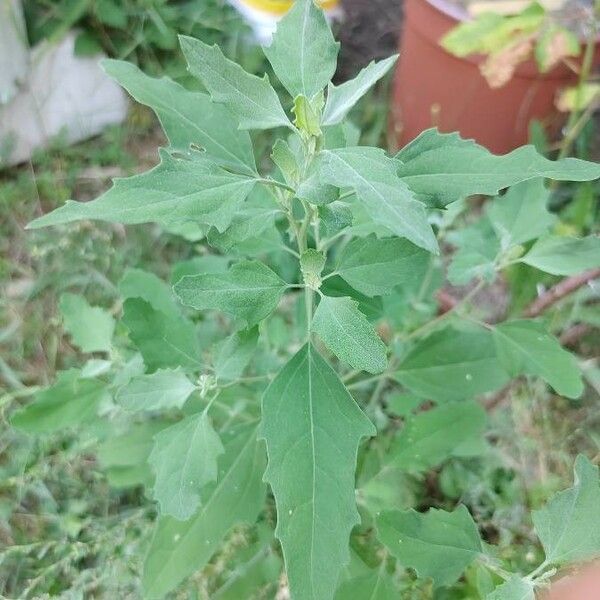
(434, 88)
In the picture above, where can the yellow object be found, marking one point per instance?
(280, 7)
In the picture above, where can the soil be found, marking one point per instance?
(368, 30)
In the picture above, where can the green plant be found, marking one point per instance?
(510, 40)
(332, 252)
(550, 38)
(142, 31)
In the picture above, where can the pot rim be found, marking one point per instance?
(450, 9)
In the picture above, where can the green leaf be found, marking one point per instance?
(255, 570)
(87, 45)
(388, 201)
(188, 117)
(250, 222)
(453, 364)
(554, 44)
(578, 97)
(384, 485)
(94, 367)
(235, 354)
(513, 589)
(334, 217)
(313, 189)
(340, 99)
(376, 266)
(402, 405)
(91, 328)
(468, 37)
(312, 263)
(175, 191)
(349, 335)
(133, 367)
(525, 346)
(478, 248)
(184, 459)
(442, 167)
(191, 231)
(342, 135)
(69, 402)
(521, 214)
(209, 263)
(124, 457)
(564, 255)
(569, 525)
(286, 161)
(436, 544)
(249, 291)
(251, 99)
(166, 388)
(336, 287)
(312, 427)
(307, 114)
(111, 13)
(373, 586)
(179, 549)
(163, 340)
(303, 52)
(137, 283)
(432, 437)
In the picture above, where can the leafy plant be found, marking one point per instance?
(551, 38)
(257, 393)
(143, 31)
(510, 40)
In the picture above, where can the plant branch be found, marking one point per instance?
(275, 183)
(571, 336)
(356, 384)
(426, 326)
(584, 74)
(559, 291)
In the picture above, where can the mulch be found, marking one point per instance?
(368, 30)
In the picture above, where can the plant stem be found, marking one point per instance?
(534, 574)
(308, 300)
(584, 75)
(425, 327)
(367, 380)
(377, 392)
(210, 402)
(275, 183)
(559, 291)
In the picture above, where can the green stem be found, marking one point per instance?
(377, 392)
(275, 183)
(210, 402)
(584, 75)
(368, 380)
(350, 375)
(536, 572)
(325, 244)
(308, 299)
(420, 330)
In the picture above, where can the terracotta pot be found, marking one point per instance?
(434, 88)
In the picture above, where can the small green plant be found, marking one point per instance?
(551, 38)
(314, 370)
(141, 31)
(510, 40)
